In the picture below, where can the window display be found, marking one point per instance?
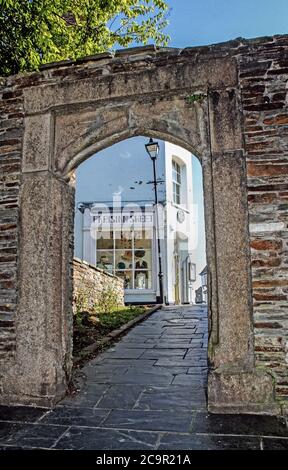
(127, 254)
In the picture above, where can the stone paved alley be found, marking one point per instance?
(147, 392)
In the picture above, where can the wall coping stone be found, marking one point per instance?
(95, 268)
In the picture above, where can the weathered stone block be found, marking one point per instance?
(232, 259)
(75, 132)
(37, 142)
(231, 392)
(225, 125)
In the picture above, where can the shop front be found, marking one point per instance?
(123, 242)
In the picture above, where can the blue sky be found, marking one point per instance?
(200, 22)
(192, 23)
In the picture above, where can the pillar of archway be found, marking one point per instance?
(66, 122)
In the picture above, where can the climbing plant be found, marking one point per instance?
(196, 97)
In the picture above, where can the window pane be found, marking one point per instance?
(105, 260)
(105, 240)
(128, 278)
(123, 240)
(123, 259)
(176, 166)
(176, 172)
(143, 240)
(144, 261)
(143, 280)
(176, 193)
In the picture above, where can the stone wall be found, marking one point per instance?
(99, 101)
(263, 80)
(92, 281)
(11, 133)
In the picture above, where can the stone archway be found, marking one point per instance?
(191, 98)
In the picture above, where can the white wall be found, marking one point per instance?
(176, 230)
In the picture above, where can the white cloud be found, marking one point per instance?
(125, 155)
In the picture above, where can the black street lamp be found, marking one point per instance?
(153, 151)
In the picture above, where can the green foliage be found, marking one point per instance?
(196, 97)
(82, 300)
(107, 301)
(119, 317)
(88, 331)
(34, 32)
(83, 309)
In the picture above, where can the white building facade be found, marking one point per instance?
(121, 237)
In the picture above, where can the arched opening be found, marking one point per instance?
(100, 180)
(116, 232)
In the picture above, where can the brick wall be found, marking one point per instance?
(263, 80)
(11, 132)
(91, 280)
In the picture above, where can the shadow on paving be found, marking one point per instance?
(146, 392)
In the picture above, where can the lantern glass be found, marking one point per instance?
(152, 148)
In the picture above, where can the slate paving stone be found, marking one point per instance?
(191, 379)
(135, 345)
(36, 435)
(149, 420)
(8, 430)
(144, 337)
(171, 340)
(157, 353)
(21, 413)
(171, 398)
(208, 442)
(88, 397)
(198, 371)
(163, 370)
(105, 375)
(128, 362)
(130, 339)
(175, 332)
(121, 397)
(153, 330)
(12, 448)
(270, 443)
(147, 392)
(240, 425)
(133, 376)
(103, 439)
(121, 353)
(68, 416)
(170, 345)
(197, 351)
(197, 347)
(180, 362)
(101, 368)
(137, 377)
(198, 342)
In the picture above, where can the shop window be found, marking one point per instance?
(127, 254)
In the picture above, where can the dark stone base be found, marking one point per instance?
(246, 392)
